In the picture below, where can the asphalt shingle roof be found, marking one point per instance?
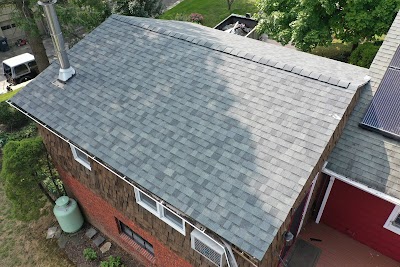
(227, 140)
(364, 156)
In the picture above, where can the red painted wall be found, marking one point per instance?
(361, 216)
(103, 216)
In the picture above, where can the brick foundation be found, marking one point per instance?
(104, 217)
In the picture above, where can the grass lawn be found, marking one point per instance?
(6, 96)
(213, 11)
(24, 244)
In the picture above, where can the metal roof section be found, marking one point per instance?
(18, 60)
(395, 63)
(227, 139)
(383, 114)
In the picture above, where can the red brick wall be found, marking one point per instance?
(103, 216)
(361, 216)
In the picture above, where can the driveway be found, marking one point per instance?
(18, 50)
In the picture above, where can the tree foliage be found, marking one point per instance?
(12, 118)
(22, 166)
(74, 15)
(310, 23)
(139, 8)
(29, 176)
(364, 54)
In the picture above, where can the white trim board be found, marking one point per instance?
(325, 200)
(362, 187)
(310, 193)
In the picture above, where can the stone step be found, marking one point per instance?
(91, 233)
(98, 240)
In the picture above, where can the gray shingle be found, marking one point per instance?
(365, 156)
(188, 121)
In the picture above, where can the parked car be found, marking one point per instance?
(20, 68)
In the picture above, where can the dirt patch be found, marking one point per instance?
(77, 242)
(24, 244)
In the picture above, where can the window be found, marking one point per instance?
(21, 70)
(80, 157)
(393, 222)
(147, 202)
(164, 213)
(137, 238)
(173, 220)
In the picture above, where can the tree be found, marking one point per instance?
(73, 14)
(139, 8)
(310, 23)
(26, 167)
(25, 18)
(77, 16)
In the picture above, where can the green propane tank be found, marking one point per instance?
(68, 214)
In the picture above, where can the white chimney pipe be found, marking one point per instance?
(66, 71)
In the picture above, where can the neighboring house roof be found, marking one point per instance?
(364, 156)
(227, 140)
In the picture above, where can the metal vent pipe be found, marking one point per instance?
(66, 71)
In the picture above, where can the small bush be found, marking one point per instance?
(364, 54)
(89, 254)
(12, 118)
(181, 17)
(337, 51)
(196, 17)
(112, 262)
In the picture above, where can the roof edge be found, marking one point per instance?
(237, 53)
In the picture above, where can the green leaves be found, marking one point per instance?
(310, 23)
(22, 165)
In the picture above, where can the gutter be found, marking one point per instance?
(124, 178)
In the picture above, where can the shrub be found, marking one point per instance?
(112, 262)
(363, 55)
(181, 17)
(12, 118)
(196, 17)
(337, 51)
(89, 254)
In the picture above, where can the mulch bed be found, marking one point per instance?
(77, 242)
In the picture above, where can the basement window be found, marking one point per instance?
(393, 222)
(137, 238)
(80, 157)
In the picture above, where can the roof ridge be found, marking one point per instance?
(235, 52)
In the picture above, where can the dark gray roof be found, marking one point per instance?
(364, 156)
(227, 140)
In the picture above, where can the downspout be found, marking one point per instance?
(66, 71)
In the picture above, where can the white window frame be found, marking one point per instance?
(171, 223)
(85, 163)
(389, 225)
(144, 204)
(160, 211)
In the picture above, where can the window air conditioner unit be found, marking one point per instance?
(208, 247)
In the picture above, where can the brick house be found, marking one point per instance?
(362, 175)
(189, 146)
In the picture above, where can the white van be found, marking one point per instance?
(20, 68)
